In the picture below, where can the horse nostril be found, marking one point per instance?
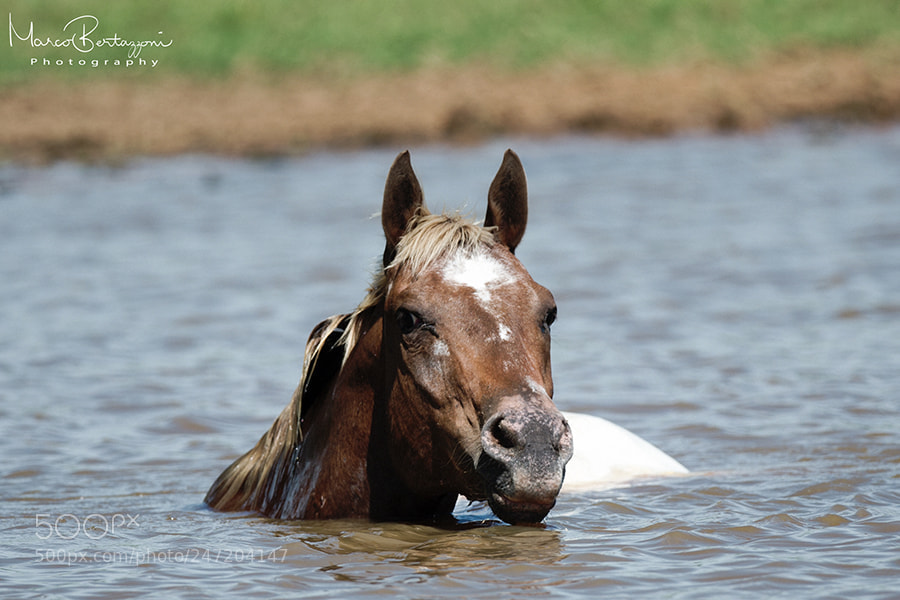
(563, 444)
(524, 435)
(502, 433)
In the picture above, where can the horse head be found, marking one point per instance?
(466, 348)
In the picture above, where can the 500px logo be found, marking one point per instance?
(94, 526)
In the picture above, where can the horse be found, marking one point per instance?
(438, 385)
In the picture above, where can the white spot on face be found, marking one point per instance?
(535, 387)
(505, 332)
(441, 348)
(478, 271)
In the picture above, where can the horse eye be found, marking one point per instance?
(408, 321)
(549, 319)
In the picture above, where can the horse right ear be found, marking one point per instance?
(508, 202)
(402, 198)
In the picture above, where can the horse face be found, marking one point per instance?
(467, 348)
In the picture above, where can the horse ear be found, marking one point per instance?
(402, 198)
(508, 202)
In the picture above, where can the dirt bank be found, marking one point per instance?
(243, 116)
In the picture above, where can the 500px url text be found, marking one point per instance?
(144, 557)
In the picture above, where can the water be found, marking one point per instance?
(734, 300)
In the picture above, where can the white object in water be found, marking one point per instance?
(607, 455)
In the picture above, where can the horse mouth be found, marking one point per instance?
(517, 512)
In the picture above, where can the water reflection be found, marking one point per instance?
(397, 554)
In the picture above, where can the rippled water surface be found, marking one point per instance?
(735, 300)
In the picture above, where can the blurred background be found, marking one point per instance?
(277, 77)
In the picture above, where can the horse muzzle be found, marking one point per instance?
(526, 444)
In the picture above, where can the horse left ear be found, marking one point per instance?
(508, 202)
(402, 198)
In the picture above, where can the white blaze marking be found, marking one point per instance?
(478, 271)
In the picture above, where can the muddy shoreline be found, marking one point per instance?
(245, 116)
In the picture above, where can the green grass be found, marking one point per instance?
(350, 37)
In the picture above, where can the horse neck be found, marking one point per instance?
(330, 477)
(354, 444)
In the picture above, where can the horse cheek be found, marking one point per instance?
(410, 440)
(425, 424)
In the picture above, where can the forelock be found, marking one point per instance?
(429, 237)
